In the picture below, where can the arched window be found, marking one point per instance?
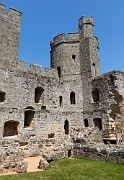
(86, 124)
(94, 69)
(39, 98)
(59, 71)
(60, 101)
(98, 123)
(72, 98)
(95, 95)
(10, 128)
(66, 127)
(29, 117)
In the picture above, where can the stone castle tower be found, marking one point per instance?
(67, 100)
(10, 24)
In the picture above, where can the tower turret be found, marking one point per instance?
(10, 23)
(89, 48)
(89, 60)
(65, 54)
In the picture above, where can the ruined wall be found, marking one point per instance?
(19, 88)
(109, 106)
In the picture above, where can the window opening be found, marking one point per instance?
(98, 123)
(59, 71)
(10, 128)
(66, 127)
(72, 98)
(95, 95)
(73, 58)
(94, 69)
(86, 124)
(29, 117)
(60, 101)
(39, 98)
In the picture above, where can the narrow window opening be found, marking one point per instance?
(73, 58)
(72, 98)
(10, 128)
(39, 98)
(60, 101)
(86, 124)
(29, 117)
(69, 153)
(2, 96)
(66, 127)
(59, 71)
(94, 69)
(95, 95)
(98, 123)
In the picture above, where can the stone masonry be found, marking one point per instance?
(47, 113)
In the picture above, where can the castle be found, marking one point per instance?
(68, 98)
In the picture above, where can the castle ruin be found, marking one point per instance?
(43, 113)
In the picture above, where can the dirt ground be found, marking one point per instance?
(33, 163)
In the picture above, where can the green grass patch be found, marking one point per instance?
(74, 169)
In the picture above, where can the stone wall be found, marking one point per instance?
(99, 152)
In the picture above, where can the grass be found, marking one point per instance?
(74, 169)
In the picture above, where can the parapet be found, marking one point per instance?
(12, 12)
(15, 12)
(36, 68)
(22, 65)
(2, 7)
(83, 20)
(50, 72)
(61, 38)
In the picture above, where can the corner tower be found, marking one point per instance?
(10, 23)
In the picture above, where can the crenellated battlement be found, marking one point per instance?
(11, 11)
(2, 7)
(37, 69)
(83, 21)
(61, 38)
(14, 12)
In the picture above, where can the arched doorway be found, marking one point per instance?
(98, 123)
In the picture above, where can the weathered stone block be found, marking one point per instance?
(43, 164)
(21, 167)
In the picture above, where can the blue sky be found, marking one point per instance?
(44, 19)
